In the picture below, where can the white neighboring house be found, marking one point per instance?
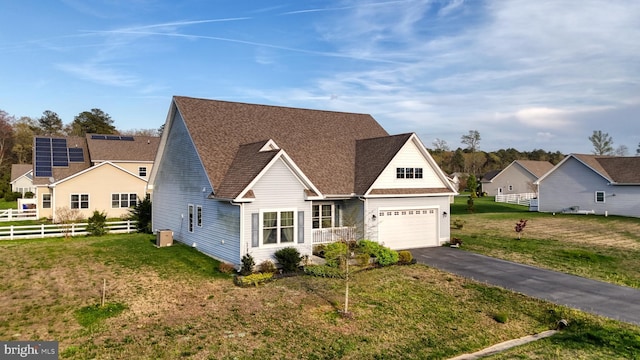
(22, 178)
(234, 179)
(592, 184)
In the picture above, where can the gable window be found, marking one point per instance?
(142, 171)
(322, 216)
(123, 200)
(79, 201)
(190, 218)
(599, 196)
(409, 173)
(46, 201)
(278, 227)
(199, 215)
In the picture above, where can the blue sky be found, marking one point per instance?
(526, 74)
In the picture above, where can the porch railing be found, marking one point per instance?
(329, 235)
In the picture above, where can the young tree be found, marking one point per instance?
(50, 123)
(602, 143)
(89, 122)
(472, 184)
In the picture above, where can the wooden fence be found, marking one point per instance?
(14, 232)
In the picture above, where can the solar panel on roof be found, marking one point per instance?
(59, 152)
(43, 157)
(113, 137)
(76, 155)
(98, 137)
(126, 138)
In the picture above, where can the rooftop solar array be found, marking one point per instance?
(53, 152)
(111, 137)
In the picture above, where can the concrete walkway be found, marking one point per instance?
(597, 297)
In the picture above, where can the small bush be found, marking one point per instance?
(253, 279)
(368, 247)
(97, 223)
(334, 252)
(247, 264)
(12, 196)
(383, 255)
(267, 266)
(289, 258)
(458, 223)
(318, 250)
(226, 268)
(141, 213)
(500, 317)
(29, 195)
(405, 257)
(323, 271)
(363, 260)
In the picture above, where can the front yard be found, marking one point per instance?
(172, 303)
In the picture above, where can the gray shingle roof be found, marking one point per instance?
(372, 156)
(321, 143)
(246, 165)
(536, 167)
(617, 169)
(18, 170)
(142, 148)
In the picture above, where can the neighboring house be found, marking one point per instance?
(586, 183)
(98, 172)
(517, 178)
(22, 178)
(234, 179)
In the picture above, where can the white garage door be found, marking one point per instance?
(408, 228)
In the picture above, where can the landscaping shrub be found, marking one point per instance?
(97, 223)
(323, 271)
(247, 264)
(363, 260)
(384, 255)
(334, 252)
(253, 279)
(318, 250)
(289, 258)
(405, 257)
(226, 268)
(458, 224)
(267, 266)
(141, 213)
(500, 317)
(12, 196)
(368, 247)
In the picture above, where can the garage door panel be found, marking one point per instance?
(408, 228)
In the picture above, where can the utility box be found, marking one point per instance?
(164, 238)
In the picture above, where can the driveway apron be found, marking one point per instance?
(597, 297)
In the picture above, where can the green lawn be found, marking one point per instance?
(172, 303)
(8, 204)
(597, 247)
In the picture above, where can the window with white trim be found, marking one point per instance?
(142, 171)
(199, 215)
(190, 218)
(600, 196)
(322, 216)
(123, 200)
(409, 173)
(278, 227)
(46, 201)
(79, 201)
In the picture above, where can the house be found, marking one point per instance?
(592, 183)
(97, 172)
(517, 178)
(22, 178)
(235, 178)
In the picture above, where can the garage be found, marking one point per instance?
(408, 228)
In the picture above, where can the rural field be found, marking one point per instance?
(173, 303)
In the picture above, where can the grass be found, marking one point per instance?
(172, 303)
(596, 247)
(8, 204)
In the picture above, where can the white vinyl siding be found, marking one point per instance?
(394, 176)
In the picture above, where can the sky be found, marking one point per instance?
(525, 74)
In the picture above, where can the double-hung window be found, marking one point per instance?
(79, 201)
(123, 200)
(199, 215)
(599, 196)
(278, 227)
(190, 218)
(322, 216)
(46, 201)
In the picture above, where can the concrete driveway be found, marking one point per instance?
(613, 301)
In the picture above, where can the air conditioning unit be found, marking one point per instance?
(164, 238)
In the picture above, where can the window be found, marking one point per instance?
(123, 200)
(190, 218)
(409, 173)
(79, 201)
(142, 171)
(278, 227)
(46, 201)
(599, 196)
(322, 216)
(510, 187)
(199, 215)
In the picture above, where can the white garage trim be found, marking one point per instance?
(408, 227)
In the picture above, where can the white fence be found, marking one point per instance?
(17, 215)
(519, 199)
(329, 235)
(14, 232)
